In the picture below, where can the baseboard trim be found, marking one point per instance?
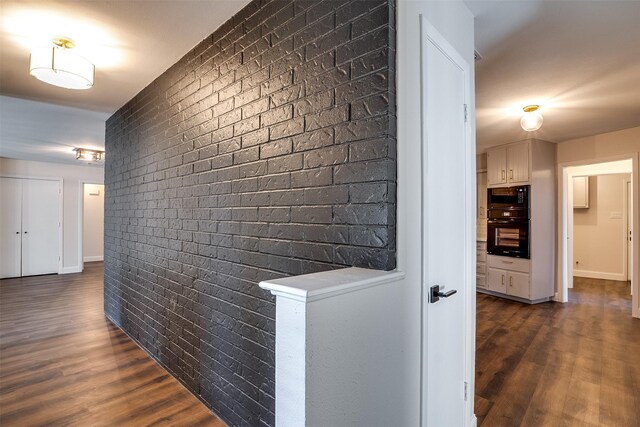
(474, 421)
(599, 275)
(93, 258)
(73, 269)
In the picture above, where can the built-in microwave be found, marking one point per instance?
(508, 202)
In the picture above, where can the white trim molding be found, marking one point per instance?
(599, 275)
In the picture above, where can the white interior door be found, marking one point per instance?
(10, 227)
(629, 233)
(448, 210)
(40, 226)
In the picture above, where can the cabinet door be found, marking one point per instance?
(519, 285)
(482, 195)
(497, 166)
(40, 226)
(10, 227)
(581, 192)
(518, 161)
(497, 280)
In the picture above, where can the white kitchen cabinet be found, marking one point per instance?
(482, 195)
(518, 284)
(481, 265)
(29, 227)
(497, 280)
(518, 163)
(508, 165)
(512, 283)
(496, 166)
(580, 192)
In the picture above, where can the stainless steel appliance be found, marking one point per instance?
(508, 221)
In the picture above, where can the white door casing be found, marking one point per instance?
(448, 212)
(10, 227)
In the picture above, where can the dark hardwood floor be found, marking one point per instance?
(63, 363)
(574, 364)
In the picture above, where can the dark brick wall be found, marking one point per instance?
(268, 150)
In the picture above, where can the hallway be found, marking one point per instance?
(63, 363)
(559, 364)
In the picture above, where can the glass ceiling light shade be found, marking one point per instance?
(59, 66)
(88, 155)
(531, 119)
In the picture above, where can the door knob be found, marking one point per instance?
(435, 294)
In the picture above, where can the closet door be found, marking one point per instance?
(40, 226)
(10, 227)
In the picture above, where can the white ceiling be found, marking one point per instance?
(130, 42)
(580, 59)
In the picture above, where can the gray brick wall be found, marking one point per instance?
(267, 150)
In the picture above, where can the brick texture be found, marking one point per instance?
(268, 150)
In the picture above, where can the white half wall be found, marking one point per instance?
(72, 177)
(93, 223)
(599, 232)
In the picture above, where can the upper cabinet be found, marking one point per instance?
(508, 165)
(580, 192)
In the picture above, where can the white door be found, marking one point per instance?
(40, 226)
(629, 233)
(448, 212)
(10, 227)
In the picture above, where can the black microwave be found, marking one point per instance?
(508, 202)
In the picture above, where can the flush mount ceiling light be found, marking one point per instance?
(531, 119)
(88, 155)
(58, 66)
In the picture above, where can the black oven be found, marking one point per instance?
(508, 221)
(508, 237)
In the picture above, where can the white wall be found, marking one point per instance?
(455, 22)
(72, 177)
(93, 223)
(599, 232)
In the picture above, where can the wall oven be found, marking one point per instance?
(508, 221)
(508, 237)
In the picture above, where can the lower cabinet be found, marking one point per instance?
(509, 276)
(508, 282)
(481, 265)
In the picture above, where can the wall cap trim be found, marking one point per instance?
(328, 284)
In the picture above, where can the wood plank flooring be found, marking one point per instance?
(574, 364)
(63, 363)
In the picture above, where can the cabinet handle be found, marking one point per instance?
(503, 280)
(17, 232)
(503, 175)
(511, 281)
(511, 173)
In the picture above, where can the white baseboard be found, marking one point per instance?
(93, 258)
(474, 421)
(73, 269)
(598, 275)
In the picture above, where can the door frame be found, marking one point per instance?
(428, 31)
(81, 221)
(565, 227)
(60, 210)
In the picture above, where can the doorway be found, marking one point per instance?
(92, 223)
(566, 235)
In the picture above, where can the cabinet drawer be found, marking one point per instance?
(508, 263)
(481, 281)
(481, 256)
(481, 268)
(481, 246)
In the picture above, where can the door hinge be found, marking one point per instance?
(466, 390)
(466, 119)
